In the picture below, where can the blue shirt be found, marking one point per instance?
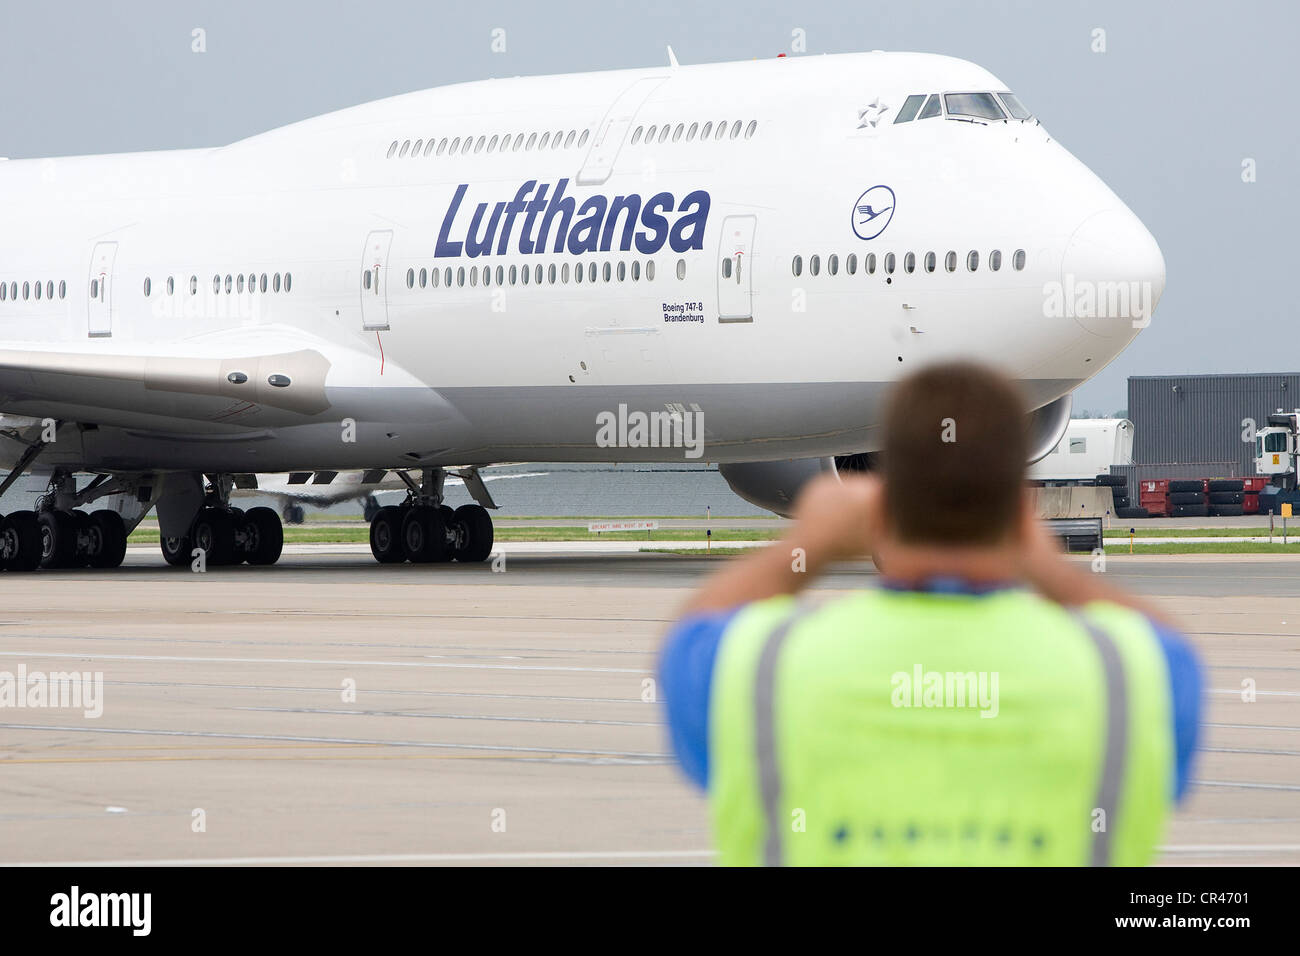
(686, 676)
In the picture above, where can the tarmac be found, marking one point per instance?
(331, 711)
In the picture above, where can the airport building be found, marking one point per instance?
(1194, 425)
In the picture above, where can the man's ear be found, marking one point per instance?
(1028, 517)
(877, 511)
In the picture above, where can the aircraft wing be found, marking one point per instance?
(248, 377)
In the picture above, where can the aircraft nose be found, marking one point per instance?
(1112, 274)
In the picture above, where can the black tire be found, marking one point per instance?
(80, 539)
(20, 542)
(1121, 502)
(476, 537)
(1186, 498)
(386, 536)
(1185, 484)
(1132, 513)
(264, 536)
(178, 552)
(213, 532)
(58, 539)
(1227, 497)
(1227, 511)
(1112, 481)
(107, 533)
(1227, 484)
(424, 535)
(1191, 511)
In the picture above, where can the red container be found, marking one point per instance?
(1253, 486)
(1154, 486)
(1157, 504)
(1250, 504)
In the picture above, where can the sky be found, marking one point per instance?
(1183, 94)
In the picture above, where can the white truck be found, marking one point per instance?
(1275, 449)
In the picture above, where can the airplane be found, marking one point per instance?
(638, 265)
(297, 490)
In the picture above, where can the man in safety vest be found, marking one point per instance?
(988, 703)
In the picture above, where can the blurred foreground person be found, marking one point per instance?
(988, 703)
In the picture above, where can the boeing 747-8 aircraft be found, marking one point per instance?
(725, 263)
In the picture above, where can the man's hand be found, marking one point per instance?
(836, 516)
(1045, 568)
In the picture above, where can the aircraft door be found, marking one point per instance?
(612, 131)
(736, 269)
(99, 314)
(374, 280)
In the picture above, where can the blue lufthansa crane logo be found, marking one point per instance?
(873, 212)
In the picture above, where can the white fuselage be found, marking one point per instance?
(780, 365)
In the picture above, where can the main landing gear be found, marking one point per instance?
(62, 539)
(228, 536)
(423, 530)
(224, 534)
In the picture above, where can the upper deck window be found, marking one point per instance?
(982, 106)
(910, 106)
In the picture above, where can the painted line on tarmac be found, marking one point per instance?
(1244, 785)
(1251, 726)
(384, 690)
(41, 655)
(408, 713)
(523, 857)
(1232, 848)
(537, 856)
(359, 741)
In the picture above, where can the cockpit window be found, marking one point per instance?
(1014, 106)
(908, 111)
(932, 107)
(982, 106)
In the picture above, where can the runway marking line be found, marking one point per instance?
(155, 658)
(395, 858)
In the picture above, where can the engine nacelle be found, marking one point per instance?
(1047, 425)
(774, 485)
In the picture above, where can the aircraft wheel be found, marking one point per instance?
(81, 539)
(424, 535)
(177, 551)
(386, 536)
(58, 539)
(475, 541)
(264, 535)
(106, 532)
(214, 533)
(20, 542)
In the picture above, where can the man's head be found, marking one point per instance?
(955, 445)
